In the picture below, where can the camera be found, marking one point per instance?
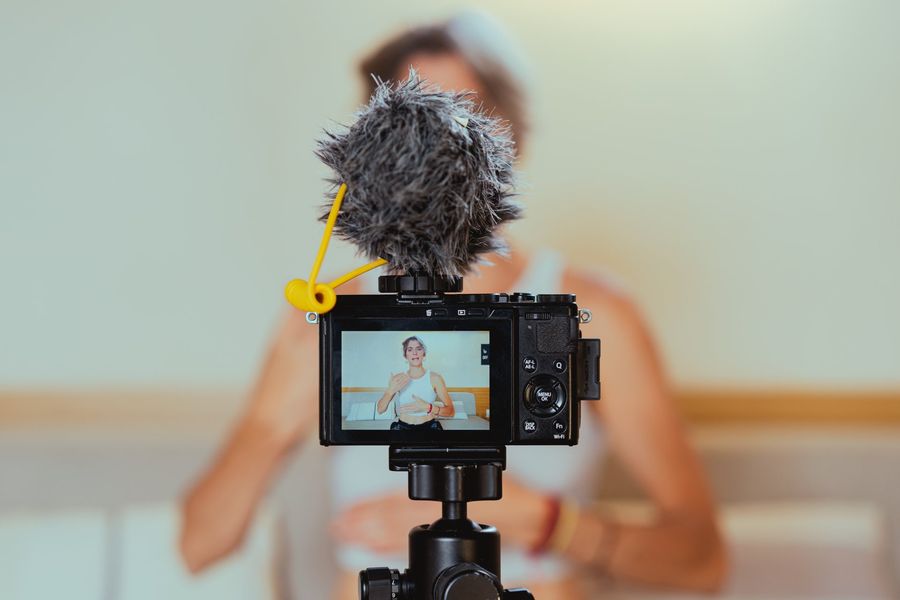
(454, 370)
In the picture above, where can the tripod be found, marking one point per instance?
(454, 558)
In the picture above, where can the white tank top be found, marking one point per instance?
(420, 387)
(361, 472)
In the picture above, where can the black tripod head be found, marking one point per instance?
(454, 558)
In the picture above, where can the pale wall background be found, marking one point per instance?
(734, 163)
(369, 358)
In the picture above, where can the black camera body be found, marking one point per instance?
(514, 365)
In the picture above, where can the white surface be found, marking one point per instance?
(362, 411)
(779, 551)
(151, 568)
(804, 549)
(847, 525)
(124, 555)
(792, 551)
(60, 555)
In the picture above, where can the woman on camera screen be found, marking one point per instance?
(416, 392)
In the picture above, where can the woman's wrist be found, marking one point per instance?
(581, 534)
(535, 515)
(594, 540)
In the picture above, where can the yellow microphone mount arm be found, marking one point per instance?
(320, 298)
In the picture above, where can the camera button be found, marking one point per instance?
(533, 316)
(529, 426)
(544, 395)
(560, 365)
(477, 312)
(559, 426)
(529, 364)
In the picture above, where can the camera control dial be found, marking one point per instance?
(545, 395)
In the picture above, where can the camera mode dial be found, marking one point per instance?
(521, 297)
(556, 298)
(545, 395)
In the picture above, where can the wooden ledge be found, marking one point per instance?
(831, 407)
(206, 407)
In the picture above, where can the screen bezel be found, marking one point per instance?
(499, 378)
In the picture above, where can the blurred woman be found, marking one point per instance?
(551, 528)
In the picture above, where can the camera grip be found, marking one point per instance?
(587, 369)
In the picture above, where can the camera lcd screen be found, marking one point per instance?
(398, 375)
(424, 382)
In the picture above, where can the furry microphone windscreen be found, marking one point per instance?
(429, 179)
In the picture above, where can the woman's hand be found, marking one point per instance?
(417, 405)
(520, 516)
(382, 524)
(397, 383)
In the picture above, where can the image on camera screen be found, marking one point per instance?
(415, 380)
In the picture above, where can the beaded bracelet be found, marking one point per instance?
(569, 512)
